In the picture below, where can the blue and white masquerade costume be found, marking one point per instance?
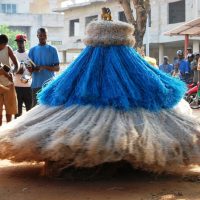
(109, 105)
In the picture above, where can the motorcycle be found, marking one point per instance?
(191, 96)
(191, 93)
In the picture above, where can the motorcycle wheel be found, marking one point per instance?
(190, 98)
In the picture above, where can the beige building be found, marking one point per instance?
(43, 6)
(165, 15)
(29, 15)
(66, 21)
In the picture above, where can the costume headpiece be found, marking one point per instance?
(106, 32)
(106, 14)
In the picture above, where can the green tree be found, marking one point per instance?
(11, 35)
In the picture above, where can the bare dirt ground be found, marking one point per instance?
(24, 182)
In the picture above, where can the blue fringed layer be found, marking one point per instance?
(115, 76)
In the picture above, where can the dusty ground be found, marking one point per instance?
(24, 182)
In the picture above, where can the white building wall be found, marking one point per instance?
(81, 13)
(58, 25)
(159, 24)
(22, 5)
(159, 16)
(54, 22)
(159, 19)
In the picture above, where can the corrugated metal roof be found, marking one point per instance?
(189, 28)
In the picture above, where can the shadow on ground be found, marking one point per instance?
(24, 182)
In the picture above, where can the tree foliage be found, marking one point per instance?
(10, 34)
(139, 20)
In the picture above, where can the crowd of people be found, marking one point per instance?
(23, 72)
(186, 69)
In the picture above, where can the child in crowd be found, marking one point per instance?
(176, 72)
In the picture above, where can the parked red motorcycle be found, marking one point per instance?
(191, 93)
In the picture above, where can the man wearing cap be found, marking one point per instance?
(22, 79)
(45, 58)
(183, 67)
(194, 64)
(189, 50)
(166, 67)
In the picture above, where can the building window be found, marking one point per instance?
(176, 12)
(121, 16)
(90, 18)
(23, 29)
(8, 8)
(56, 43)
(14, 8)
(74, 27)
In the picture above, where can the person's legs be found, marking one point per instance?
(1, 117)
(19, 91)
(27, 97)
(34, 96)
(10, 103)
(1, 108)
(8, 117)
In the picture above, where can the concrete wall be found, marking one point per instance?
(22, 5)
(34, 6)
(52, 22)
(159, 18)
(159, 23)
(34, 14)
(43, 6)
(58, 25)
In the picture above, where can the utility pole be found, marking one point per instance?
(147, 36)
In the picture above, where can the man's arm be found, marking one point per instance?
(14, 59)
(3, 88)
(171, 68)
(193, 66)
(9, 76)
(55, 68)
(55, 63)
(198, 64)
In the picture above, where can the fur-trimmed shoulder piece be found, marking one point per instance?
(104, 33)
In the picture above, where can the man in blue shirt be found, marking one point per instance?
(166, 67)
(46, 60)
(184, 67)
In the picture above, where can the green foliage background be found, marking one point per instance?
(11, 36)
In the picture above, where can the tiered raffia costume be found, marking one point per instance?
(109, 105)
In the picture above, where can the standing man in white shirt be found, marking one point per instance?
(22, 79)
